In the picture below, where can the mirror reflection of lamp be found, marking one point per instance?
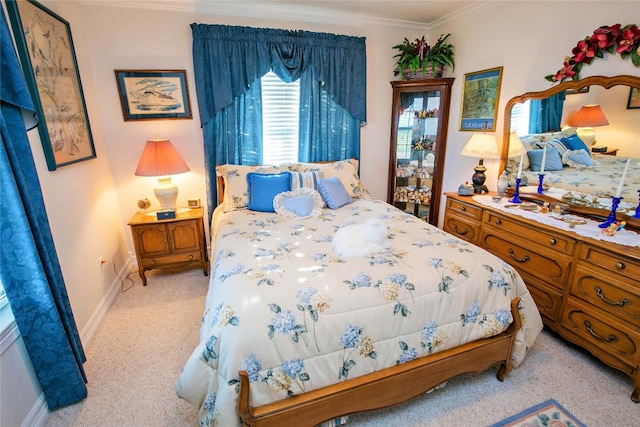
(161, 159)
(588, 117)
(482, 145)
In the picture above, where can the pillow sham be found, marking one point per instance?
(263, 188)
(236, 193)
(345, 170)
(553, 161)
(574, 142)
(333, 192)
(577, 159)
(296, 203)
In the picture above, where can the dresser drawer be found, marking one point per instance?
(464, 209)
(523, 230)
(607, 292)
(547, 298)
(604, 332)
(619, 264)
(548, 266)
(462, 228)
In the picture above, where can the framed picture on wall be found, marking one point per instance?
(153, 94)
(49, 62)
(634, 98)
(480, 98)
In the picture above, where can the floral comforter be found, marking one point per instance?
(296, 317)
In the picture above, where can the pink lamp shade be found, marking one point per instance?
(161, 159)
(588, 117)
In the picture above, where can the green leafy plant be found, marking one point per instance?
(419, 56)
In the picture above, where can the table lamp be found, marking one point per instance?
(161, 159)
(588, 117)
(481, 145)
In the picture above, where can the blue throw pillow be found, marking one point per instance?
(264, 187)
(302, 205)
(333, 192)
(577, 159)
(574, 142)
(553, 162)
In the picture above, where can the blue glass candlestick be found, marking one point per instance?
(611, 219)
(637, 214)
(516, 193)
(540, 180)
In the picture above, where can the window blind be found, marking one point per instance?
(280, 107)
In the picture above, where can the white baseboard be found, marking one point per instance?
(38, 414)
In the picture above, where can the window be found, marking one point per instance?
(520, 118)
(280, 106)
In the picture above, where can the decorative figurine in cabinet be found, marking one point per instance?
(419, 120)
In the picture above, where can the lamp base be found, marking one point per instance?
(478, 179)
(167, 193)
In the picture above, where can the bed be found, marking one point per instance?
(294, 334)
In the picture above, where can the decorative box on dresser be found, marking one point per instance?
(419, 121)
(167, 243)
(587, 290)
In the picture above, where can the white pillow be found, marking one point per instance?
(294, 204)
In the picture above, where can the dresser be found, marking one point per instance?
(168, 243)
(586, 290)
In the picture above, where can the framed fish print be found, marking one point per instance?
(48, 59)
(153, 94)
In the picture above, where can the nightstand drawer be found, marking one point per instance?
(170, 259)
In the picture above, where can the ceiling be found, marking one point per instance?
(422, 14)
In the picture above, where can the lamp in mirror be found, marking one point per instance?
(161, 159)
(482, 145)
(588, 117)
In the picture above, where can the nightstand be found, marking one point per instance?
(607, 152)
(167, 243)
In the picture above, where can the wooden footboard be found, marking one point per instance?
(384, 388)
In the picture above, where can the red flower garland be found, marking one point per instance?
(624, 41)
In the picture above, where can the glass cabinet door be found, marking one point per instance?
(419, 120)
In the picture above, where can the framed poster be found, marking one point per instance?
(49, 62)
(153, 94)
(634, 98)
(480, 97)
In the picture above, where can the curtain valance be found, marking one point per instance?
(227, 59)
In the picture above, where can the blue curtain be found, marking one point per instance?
(29, 267)
(229, 60)
(545, 115)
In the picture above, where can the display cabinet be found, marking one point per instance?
(419, 120)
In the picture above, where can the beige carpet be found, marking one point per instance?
(150, 331)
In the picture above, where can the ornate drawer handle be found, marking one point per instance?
(523, 259)
(498, 221)
(153, 261)
(622, 303)
(552, 241)
(461, 232)
(462, 208)
(610, 338)
(620, 265)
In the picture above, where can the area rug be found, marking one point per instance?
(546, 414)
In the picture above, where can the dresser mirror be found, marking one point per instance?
(587, 186)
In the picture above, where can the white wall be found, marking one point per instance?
(89, 203)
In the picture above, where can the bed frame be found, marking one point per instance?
(384, 388)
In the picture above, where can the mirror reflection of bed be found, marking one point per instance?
(583, 179)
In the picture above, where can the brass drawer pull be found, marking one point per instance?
(523, 259)
(498, 221)
(609, 339)
(461, 232)
(190, 257)
(552, 241)
(622, 303)
(620, 265)
(462, 208)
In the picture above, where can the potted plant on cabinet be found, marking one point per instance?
(418, 60)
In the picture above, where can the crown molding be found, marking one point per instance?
(289, 12)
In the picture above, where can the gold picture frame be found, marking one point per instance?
(480, 100)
